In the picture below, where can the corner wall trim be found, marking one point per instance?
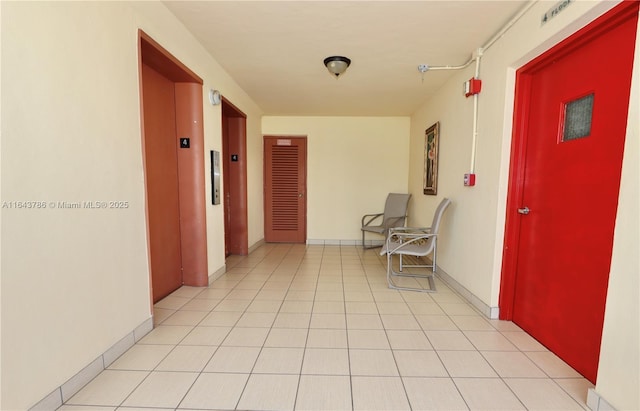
(67, 390)
(596, 403)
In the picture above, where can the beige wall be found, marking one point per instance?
(0, 214)
(75, 281)
(353, 163)
(163, 27)
(468, 213)
(475, 224)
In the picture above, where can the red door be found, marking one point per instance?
(285, 201)
(573, 105)
(161, 163)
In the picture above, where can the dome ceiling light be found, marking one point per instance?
(337, 65)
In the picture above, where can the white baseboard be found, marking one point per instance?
(67, 390)
(220, 271)
(488, 311)
(596, 403)
(256, 245)
(368, 243)
(217, 274)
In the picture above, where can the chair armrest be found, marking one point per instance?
(416, 230)
(403, 240)
(371, 218)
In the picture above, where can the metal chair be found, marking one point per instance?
(414, 242)
(394, 215)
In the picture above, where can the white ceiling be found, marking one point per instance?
(275, 49)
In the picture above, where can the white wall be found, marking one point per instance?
(353, 163)
(475, 226)
(619, 368)
(75, 281)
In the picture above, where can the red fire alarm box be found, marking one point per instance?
(469, 180)
(472, 86)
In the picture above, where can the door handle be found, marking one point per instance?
(299, 195)
(524, 211)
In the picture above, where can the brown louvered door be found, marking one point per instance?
(285, 181)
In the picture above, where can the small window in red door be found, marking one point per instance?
(577, 118)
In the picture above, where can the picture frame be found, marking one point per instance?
(431, 143)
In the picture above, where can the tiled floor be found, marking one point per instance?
(315, 327)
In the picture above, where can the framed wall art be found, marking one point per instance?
(431, 140)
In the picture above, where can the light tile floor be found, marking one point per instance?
(315, 327)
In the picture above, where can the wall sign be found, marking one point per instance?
(554, 11)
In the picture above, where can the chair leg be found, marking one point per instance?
(391, 273)
(433, 265)
(365, 247)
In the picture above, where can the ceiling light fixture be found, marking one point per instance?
(337, 65)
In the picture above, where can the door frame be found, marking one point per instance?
(302, 194)
(191, 163)
(234, 179)
(524, 75)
